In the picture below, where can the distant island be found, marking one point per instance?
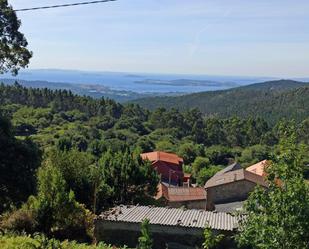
(92, 90)
(188, 82)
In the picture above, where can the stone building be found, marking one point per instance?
(232, 184)
(172, 228)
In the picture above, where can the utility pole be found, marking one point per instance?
(95, 190)
(95, 198)
(169, 177)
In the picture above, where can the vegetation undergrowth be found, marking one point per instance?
(40, 241)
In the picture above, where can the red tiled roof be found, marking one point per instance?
(186, 194)
(180, 194)
(258, 168)
(162, 156)
(233, 176)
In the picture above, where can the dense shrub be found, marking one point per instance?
(206, 173)
(19, 220)
(19, 161)
(53, 211)
(38, 241)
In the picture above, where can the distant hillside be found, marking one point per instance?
(92, 90)
(271, 100)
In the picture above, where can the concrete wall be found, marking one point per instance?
(234, 191)
(171, 237)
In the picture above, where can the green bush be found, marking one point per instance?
(254, 154)
(53, 211)
(42, 242)
(19, 220)
(219, 155)
(145, 241)
(211, 240)
(198, 164)
(206, 173)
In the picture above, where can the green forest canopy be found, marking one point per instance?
(271, 100)
(94, 126)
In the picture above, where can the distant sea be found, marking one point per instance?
(138, 82)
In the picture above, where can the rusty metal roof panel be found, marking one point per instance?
(171, 217)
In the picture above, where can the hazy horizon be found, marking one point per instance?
(268, 38)
(25, 70)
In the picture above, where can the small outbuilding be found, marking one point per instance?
(169, 227)
(231, 185)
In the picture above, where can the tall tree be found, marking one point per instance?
(279, 217)
(75, 168)
(130, 178)
(19, 161)
(13, 44)
(55, 208)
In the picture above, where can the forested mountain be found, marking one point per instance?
(270, 100)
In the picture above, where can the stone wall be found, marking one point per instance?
(234, 191)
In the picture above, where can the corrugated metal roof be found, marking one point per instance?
(172, 217)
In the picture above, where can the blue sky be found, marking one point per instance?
(218, 37)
